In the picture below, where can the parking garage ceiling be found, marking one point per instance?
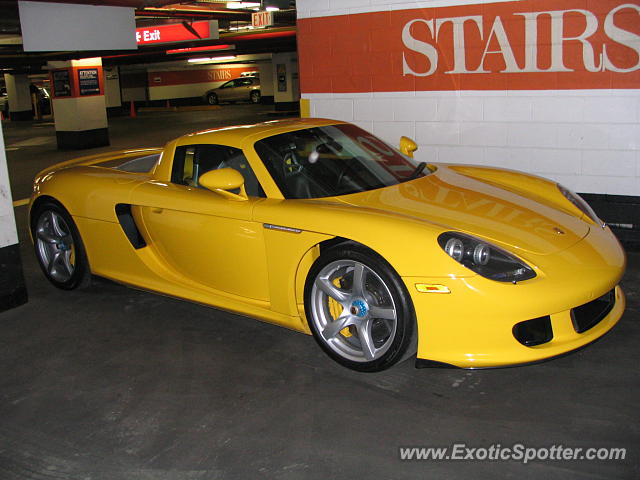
(234, 20)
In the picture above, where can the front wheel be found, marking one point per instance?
(358, 310)
(58, 247)
(254, 97)
(212, 99)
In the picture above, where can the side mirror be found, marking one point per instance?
(408, 146)
(222, 181)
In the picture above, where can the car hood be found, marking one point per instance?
(462, 203)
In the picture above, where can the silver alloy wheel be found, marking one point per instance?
(55, 245)
(254, 97)
(364, 324)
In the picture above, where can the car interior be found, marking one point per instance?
(315, 166)
(192, 161)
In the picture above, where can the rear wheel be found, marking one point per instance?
(212, 99)
(358, 309)
(254, 97)
(58, 247)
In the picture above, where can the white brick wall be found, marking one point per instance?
(576, 137)
(8, 235)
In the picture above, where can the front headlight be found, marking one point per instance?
(483, 258)
(581, 205)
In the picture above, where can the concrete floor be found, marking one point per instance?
(113, 383)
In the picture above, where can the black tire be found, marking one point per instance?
(59, 247)
(212, 98)
(382, 291)
(254, 97)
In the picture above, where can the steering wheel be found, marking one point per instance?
(291, 165)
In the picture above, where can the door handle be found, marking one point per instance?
(157, 210)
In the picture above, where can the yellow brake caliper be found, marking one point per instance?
(336, 309)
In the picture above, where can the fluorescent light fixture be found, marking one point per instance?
(223, 58)
(234, 5)
(210, 48)
(212, 59)
(272, 9)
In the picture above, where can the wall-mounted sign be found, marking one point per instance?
(177, 32)
(88, 81)
(61, 83)
(262, 19)
(532, 45)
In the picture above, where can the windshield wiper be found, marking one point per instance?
(417, 171)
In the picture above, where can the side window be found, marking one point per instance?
(246, 81)
(191, 161)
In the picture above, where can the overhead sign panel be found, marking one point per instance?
(177, 32)
(50, 27)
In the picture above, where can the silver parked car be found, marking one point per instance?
(237, 90)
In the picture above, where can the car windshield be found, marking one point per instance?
(333, 160)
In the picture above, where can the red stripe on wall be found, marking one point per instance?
(530, 45)
(181, 77)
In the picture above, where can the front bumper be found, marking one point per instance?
(473, 326)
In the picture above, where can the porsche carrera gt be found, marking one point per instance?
(318, 226)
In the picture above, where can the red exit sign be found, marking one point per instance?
(177, 32)
(262, 19)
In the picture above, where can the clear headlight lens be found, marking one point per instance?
(484, 258)
(581, 205)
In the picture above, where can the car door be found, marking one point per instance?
(226, 91)
(244, 89)
(241, 89)
(200, 236)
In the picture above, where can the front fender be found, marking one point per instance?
(408, 244)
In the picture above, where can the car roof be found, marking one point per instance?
(239, 134)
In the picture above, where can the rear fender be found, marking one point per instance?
(89, 192)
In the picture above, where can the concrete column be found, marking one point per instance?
(285, 80)
(267, 83)
(19, 96)
(112, 96)
(13, 291)
(77, 89)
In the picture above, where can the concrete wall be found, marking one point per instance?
(18, 93)
(13, 291)
(8, 235)
(572, 113)
(133, 85)
(266, 79)
(112, 97)
(289, 62)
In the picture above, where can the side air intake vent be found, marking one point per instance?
(128, 224)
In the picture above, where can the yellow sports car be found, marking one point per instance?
(321, 227)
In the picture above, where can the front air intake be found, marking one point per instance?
(590, 314)
(534, 332)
